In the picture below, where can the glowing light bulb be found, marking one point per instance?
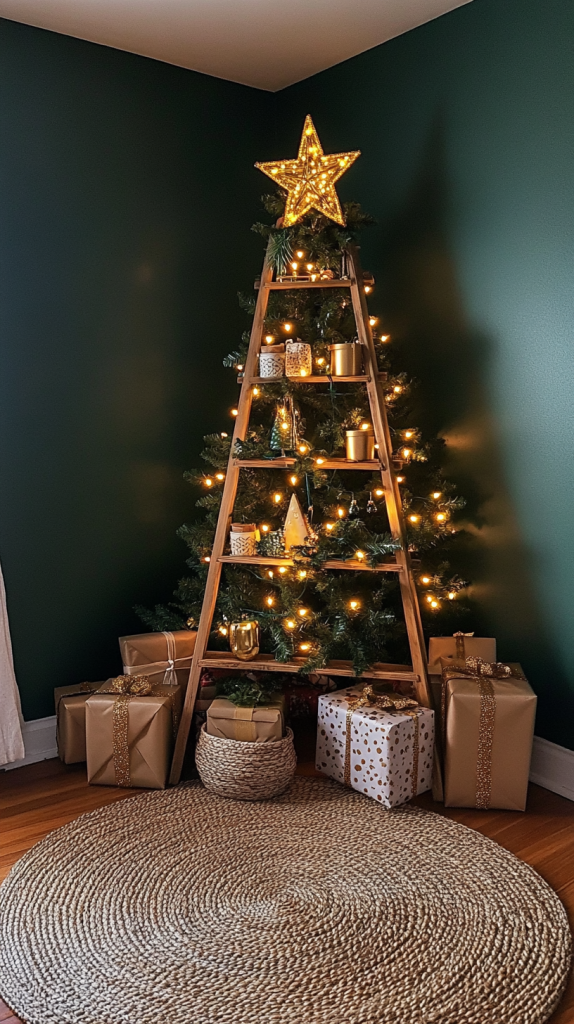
(224, 434)
(303, 373)
(304, 647)
(287, 327)
(255, 392)
(265, 528)
(284, 426)
(408, 434)
(320, 361)
(290, 624)
(437, 494)
(425, 579)
(208, 482)
(235, 412)
(429, 598)
(400, 479)
(270, 601)
(277, 498)
(302, 612)
(367, 289)
(340, 512)
(414, 519)
(302, 574)
(434, 604)
(269, 339)
(223, 630)
(282, 570)
(407, 453)
(299, 254)
(220, 476)
(270, 574)
(310, 266)
(294, 265)
(379, 492)
(207, 558)
(440, 516)
(354, 605)
(451, 595)
(240, 367)
(293, 480)
(372, 320)
(319, 461)
(385, 337)
(365, 426)
(329, 526)
(397, 389)
(359, 555)
(303, 448)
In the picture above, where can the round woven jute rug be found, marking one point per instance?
(318, 907)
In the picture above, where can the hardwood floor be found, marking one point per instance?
(39, 798)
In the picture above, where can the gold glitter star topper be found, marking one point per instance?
(310, 179)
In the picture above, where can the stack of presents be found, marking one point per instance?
(372, 737)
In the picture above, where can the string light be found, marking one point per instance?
(385, 337)
(372, 320)
(319, 461)
(434, 604)
(224, 434)
(379, 492)
(208, 481)
(425, 579)
(440, 516)
(340, 512)
(282, 570)
(270, 601)
(437, 494)
(304, 647)
(400, 479)
(302, 574)
(277, 498)
(223, 630)
(220, 476)
(255, 392)
(397, 389)
(294, 265)
(310, 266)
(354, 604)
(293, 480)
(414, 519)
(265, 528)
(302, 612)
(408, 434)
(240, 367)
(368, 289)
(329, 526)
(303, 448)
(451, 595)
(299, 254)
(290, 624)
(359, 555)
(365, 426)
(320, 361)
(269, 339)
(284, 426)
(429, 598)
(270, 574)
(288, 327)
(206, 558)
(235, 412)
(407, 453)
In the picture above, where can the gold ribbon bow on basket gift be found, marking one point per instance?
(126, 688)
(391, 703)
(482, 673)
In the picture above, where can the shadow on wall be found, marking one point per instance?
(435, 343)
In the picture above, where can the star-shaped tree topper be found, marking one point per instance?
(310, 179)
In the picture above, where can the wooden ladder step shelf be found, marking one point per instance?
(384, 466)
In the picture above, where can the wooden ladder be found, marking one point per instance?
(202, 657)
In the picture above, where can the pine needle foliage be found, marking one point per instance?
(307, 609)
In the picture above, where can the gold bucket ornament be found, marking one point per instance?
(244, 639)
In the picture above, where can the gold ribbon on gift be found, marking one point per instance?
(391, 703)
(482, 673)
(460, 644)
(127, 687)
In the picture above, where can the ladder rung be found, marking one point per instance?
(286, 463)
(334, 563)
(267, 663)
(327, 283)
(322, 378)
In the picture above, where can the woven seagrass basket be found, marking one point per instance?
(245, 771)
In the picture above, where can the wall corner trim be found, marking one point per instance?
(39, 742)
(552, 766)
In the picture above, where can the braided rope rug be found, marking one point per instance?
(319, 907)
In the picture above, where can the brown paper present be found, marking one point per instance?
(70, 702)
(488, 735)
(458, 647)
(251, 725)
(164, 657)
(129, 738)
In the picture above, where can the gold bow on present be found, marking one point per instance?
(390, 703)
(137, 686)
(482, 672)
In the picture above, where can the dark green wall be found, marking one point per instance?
(115, 213)
(467, 131)
(127, 191)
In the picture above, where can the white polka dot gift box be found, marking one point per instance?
(387, 754)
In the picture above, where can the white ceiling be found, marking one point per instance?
(268, 44)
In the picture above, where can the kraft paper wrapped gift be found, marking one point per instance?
(456, 648)
(70, 704)
(249, 725)
(164, 657)
(386, 754)
(488, 735)
(129, 738)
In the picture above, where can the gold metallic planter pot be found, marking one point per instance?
(360, 445)
(346, 360)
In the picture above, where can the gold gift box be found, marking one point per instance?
(70, 704)
(508, 762)
(455, 648)
(164, 657)
(249, 725)
(137, 751)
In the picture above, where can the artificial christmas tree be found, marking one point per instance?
(336, 606)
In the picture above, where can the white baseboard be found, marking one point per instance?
(552, 766)
(39, 742)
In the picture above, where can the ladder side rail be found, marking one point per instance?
(391, 487)
(220, 539)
